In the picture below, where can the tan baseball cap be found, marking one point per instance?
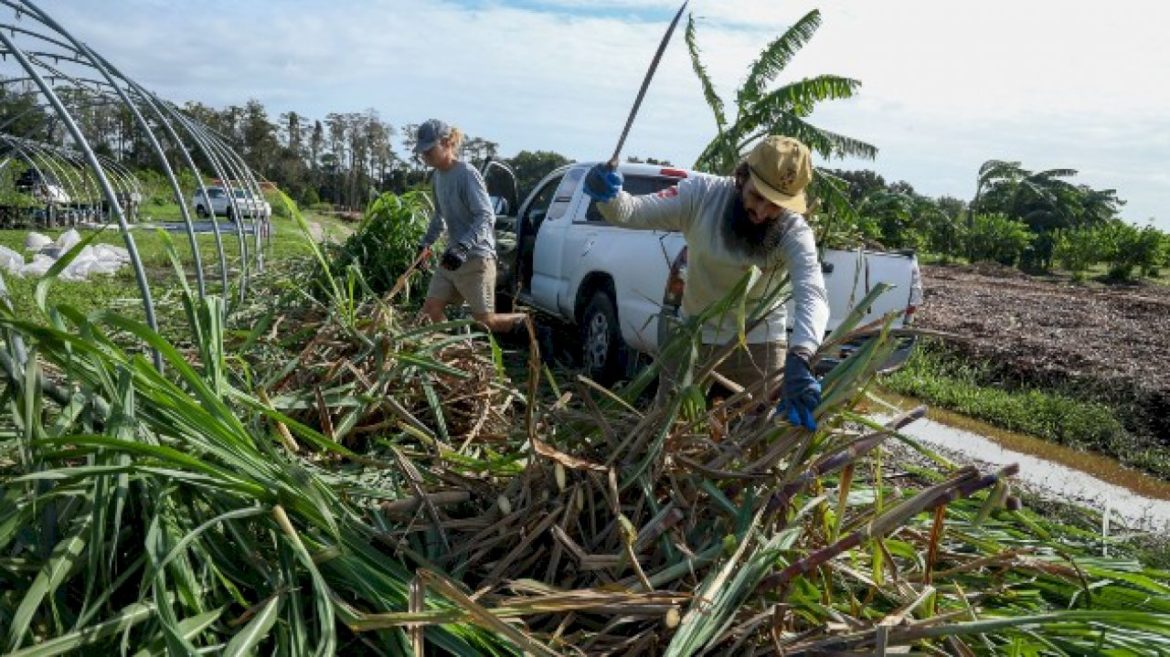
(781, 168)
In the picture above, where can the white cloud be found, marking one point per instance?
(945, 85)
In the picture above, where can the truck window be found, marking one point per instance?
(564, 194)
(538, 209)
(636, 185)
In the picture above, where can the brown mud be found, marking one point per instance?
(1108, 342)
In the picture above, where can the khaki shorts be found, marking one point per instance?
(474, 281)
(747, 367)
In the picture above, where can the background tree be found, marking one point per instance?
(861, 183)
(20, 113)
(1131, 251)
(476, 150)
(634, 159)
(259, 138)
(531, 166)
(761, 110)
(1077, 249)
(784, 110)
(942, 224)
(998, 238)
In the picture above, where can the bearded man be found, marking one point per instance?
(730, 224)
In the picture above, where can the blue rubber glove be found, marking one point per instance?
(603, 183)
(454, 257)
(802, 392)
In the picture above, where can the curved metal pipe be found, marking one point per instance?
(71, 125)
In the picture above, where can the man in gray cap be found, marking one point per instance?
(752, 218)
(468, 265)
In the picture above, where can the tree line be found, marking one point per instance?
(1035, 220)
(343, 159)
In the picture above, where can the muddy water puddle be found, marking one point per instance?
(1136, 499)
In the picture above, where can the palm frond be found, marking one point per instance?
(823, 142)
(993, 169)
(798, 98)
(777, 56)
(1053, 174)
(723, 141)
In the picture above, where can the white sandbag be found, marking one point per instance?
(94, 260)
(68, 240)
(10, 260)
(35, 241)
(105, 267)
(73, 275)
(110, 252)
(38, 267)
(82, 271)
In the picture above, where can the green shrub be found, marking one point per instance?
(1077, 250)
(996, 238)
(386, 241)
(1131, 251)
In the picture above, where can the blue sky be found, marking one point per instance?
(946, 85)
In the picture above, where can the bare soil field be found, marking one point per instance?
(1110, 341)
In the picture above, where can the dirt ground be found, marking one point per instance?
(1051, 330)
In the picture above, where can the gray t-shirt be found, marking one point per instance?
(463, 206)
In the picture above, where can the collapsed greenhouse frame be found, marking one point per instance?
(55, 69)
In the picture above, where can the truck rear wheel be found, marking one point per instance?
(601, 339)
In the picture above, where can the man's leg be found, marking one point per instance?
(476, 282)
(432, 309)
(757, 367)
(440, 292)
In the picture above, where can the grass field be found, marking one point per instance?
(120, 290)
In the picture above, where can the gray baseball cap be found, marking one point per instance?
(429, 134)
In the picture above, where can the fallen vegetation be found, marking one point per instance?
(345, 480)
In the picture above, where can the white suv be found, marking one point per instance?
(218, 202)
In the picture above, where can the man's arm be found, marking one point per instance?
(811, 315)
(669, 209)
(437, 224)
(483, 224)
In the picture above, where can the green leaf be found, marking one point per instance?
(91, 635)
(776, 56)
(189, 628)
(249, 638)
(62, 562)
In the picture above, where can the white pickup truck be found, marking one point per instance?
(558, 255)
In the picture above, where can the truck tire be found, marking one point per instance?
(201, 211)
(601, 339)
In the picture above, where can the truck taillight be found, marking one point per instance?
(673, 173)
(676, 281)
(908, 316)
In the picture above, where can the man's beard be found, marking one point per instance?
(746, 238)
